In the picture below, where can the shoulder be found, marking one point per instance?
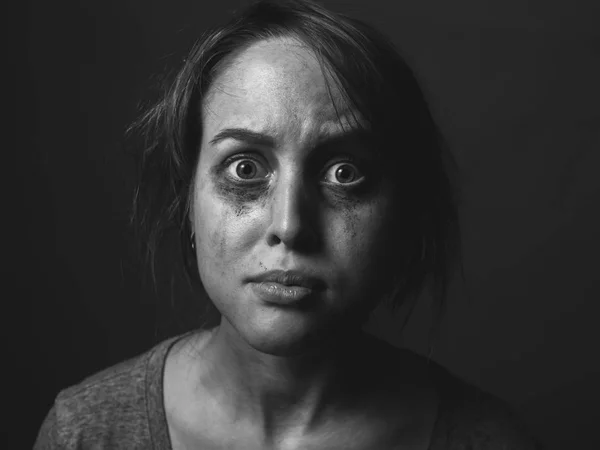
(465, 417)
(107, 408)
(471, 418)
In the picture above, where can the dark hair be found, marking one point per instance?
(372, 76)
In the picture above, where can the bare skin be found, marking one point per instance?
(274, 377)
(376, 406)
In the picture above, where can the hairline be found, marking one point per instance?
(294, 38)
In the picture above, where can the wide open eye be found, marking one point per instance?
(343, 173)
(245, 168)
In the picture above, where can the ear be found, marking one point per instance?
(190, 218)
(192, 229)
(190, 208)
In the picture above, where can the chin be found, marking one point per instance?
(281, 338)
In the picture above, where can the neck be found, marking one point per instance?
(283, 394)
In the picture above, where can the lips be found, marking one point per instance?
(285, 287)
(290, 278)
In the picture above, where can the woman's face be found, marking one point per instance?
(282, 184)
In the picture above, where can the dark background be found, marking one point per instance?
(515, 88)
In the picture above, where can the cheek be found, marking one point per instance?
(213, 238)
(363, 229)
(223, 236)
(211, 242)
(362, 241)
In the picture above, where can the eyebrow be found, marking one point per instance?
(263, 139)
(243, 135)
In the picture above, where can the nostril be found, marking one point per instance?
(273, 240)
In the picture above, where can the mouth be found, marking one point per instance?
(285, 287)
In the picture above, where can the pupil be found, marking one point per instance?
(344, 173)
(245, 170)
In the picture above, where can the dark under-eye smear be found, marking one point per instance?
(238, 195)
(241, 195)
(348, 196)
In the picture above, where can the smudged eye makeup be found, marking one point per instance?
(244, 168)
(344, 173)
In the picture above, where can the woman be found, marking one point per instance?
(297, 156)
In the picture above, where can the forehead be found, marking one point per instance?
(276, 86)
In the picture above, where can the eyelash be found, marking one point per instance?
(352, 160)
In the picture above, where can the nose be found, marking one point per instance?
(292, 214)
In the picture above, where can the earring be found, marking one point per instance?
(193, 241)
